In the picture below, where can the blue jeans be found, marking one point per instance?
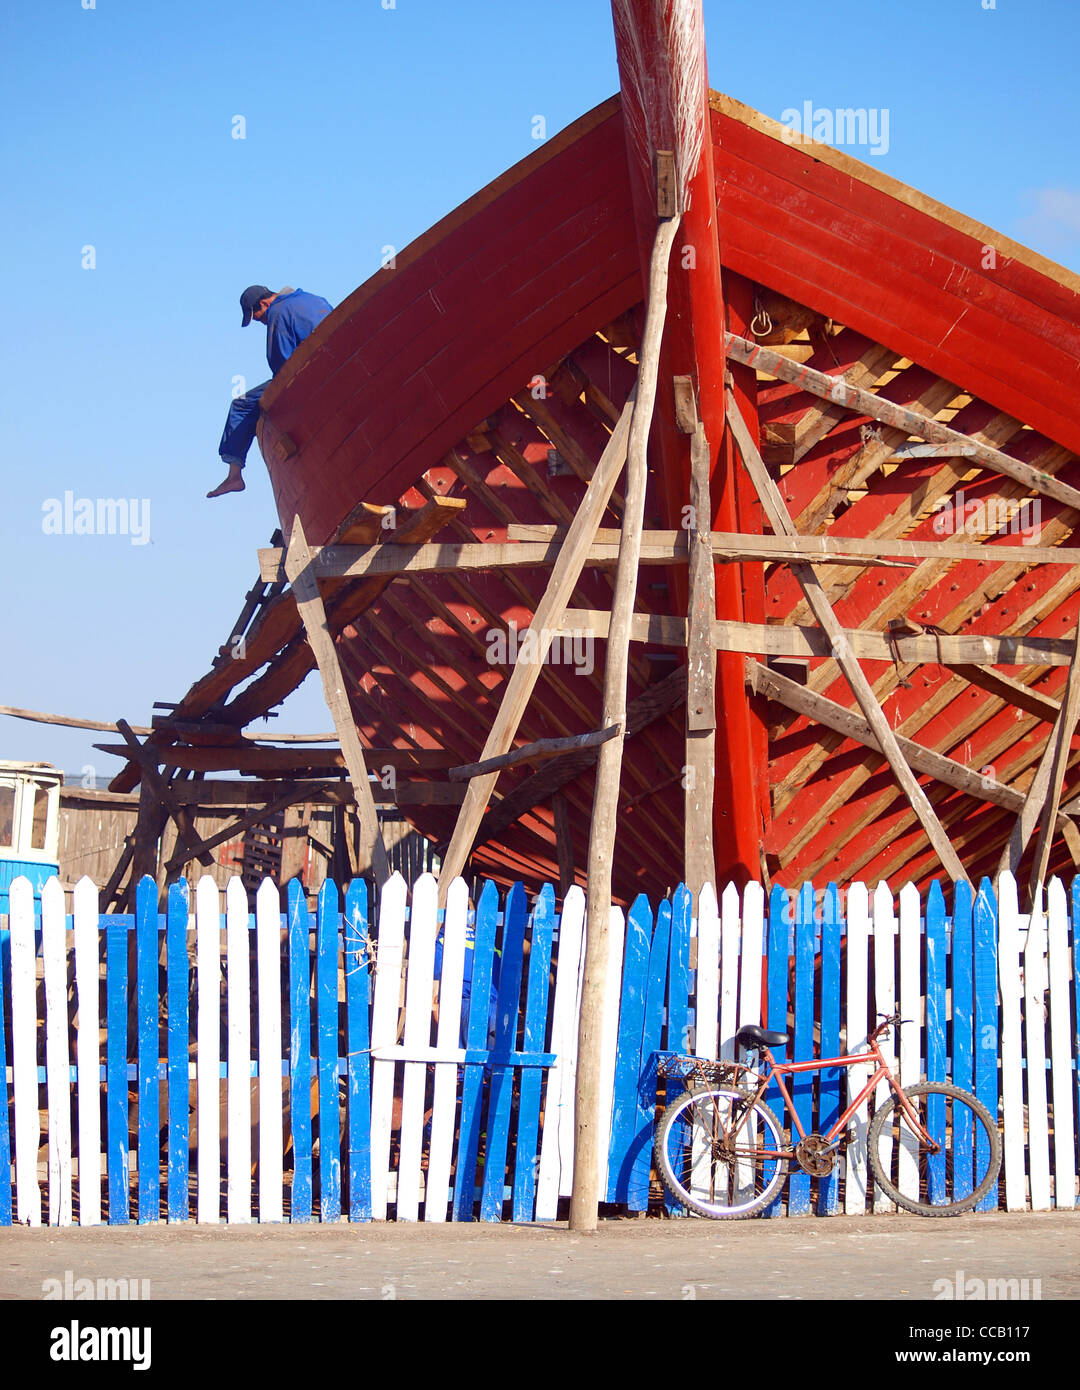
(240, 425)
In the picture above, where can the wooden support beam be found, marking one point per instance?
(236, 827)
(213, 795)
(159, 786)
(912, 422)
(699, 776)
(591, 1135)
(925, 760)
(820, 550)
(286, 762)
(564, 576)
(1011, 691)
(305, 587)
(532, 753)
(780, 520)
(1044, 794)
(796, 642)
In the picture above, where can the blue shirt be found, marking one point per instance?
(289, 320)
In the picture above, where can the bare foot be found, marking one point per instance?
(233, 483)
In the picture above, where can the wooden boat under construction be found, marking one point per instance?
(906, 378)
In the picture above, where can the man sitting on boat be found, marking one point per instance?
(290, 315)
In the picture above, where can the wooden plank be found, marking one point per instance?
(699, 777)
(471, 1123)
(1010, 945)
(302, 577)
(1013, 692)
(533, 752)
(87, 1047)
(856, 1014)
(327, 939)
(1061, 1062)
(423, 929)
(24, 1074)
(57, 1059)
(791, 640)
(564, 576)
(146, 1018)
(444, 1092)
(358, 958)
(271, 1096)
(238, 1089)
(912, 422)
(176, 1060)
(780, 520)
(557, 1141)
(160, 787)
(116, 1095)
(384, 1020)
(208, 1035)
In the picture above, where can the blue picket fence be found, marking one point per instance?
(342, 1062)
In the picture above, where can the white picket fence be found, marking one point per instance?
(417, 1080)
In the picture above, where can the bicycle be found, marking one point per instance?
(721, 1152)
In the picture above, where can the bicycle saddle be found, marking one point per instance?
(750, 1035)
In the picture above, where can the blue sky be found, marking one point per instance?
(364, 122)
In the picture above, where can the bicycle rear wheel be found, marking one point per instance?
(945, 1180)
(719, 1155)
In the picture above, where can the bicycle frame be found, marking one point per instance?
(778, 1070)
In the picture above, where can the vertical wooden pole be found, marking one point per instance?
(305, 586)
(585, 1196)
(699, 774)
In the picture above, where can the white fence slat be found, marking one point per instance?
(912, 1006)
(87, 1050)
(557, 1143)
(57, 1053)
(271, 1092)
(884, 994)
(1061, 1060)
(237, 955)
(751, 957)
(384, 1018)
(419, 985)
(858, 940)
(24, 1051)
(208, 1070)
(716, 994)
(444, 1094)
(610, 1047)
(1012, 1053)
(1036, 984)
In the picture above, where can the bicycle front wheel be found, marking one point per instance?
(948, 1176)
(719, 1155)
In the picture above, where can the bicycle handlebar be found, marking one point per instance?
(891, 1021)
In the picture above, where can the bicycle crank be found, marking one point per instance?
(815, 1155)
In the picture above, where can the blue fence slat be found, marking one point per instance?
(637, 1192)
(678, 1012)
(986, 1019)
(358, 1067)
(476, 1037)
(802, 1083)
(963, 1019)
(146, 976)
(176, 987)
(116, 1082)
(501, 1098)
(626, 1137)
(326, 1007)
(936, 1061)
(777, 955)
(526, 1148)
(5, 1131)
(829, 1093)
(300, 1052)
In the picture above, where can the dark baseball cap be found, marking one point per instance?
(250, 300)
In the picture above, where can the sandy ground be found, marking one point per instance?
(888, 1257)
